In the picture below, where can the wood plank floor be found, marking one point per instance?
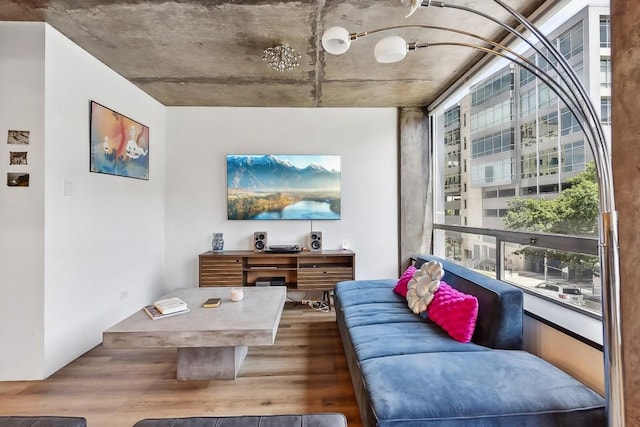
(304, 372)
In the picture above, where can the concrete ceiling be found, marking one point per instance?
(209, 52)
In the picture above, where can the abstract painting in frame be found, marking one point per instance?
(119, 145)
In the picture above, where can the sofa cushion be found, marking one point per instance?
(401, 286)
(356, 292)
(454, 311)
(492, 388)
(375, 314)
(381, 340)
(500, 311)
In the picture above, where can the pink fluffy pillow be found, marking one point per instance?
(454, 311)
(401, 286)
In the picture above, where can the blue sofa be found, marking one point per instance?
(406, 371)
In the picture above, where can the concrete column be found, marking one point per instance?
(415, 215)
(625, 62)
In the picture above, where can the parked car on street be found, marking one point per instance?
(564, 292)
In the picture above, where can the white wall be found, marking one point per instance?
(72, 265)
(104, 235)
(21, 208)
(198, 140)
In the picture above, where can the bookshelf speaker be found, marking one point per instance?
(259, 241)
(315, 241)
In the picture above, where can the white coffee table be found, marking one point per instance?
(212, 343)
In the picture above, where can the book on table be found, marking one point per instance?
(212, 302)
(170, 305)
(154, 313)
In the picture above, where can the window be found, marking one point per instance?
(496, 172)
(570, 43)
(530, 174)
(605, 72)
(548, 161)
(543, 60)
(528, 134)
(605, 32)
(566, 277)
(546, 189)
(492, 116)
(492, 144)
(525, 75)
(509, 192)
(546, 97)
(529, 166)
(492, 87)
(568, 122)
(548, 128)
(452, 182)
(453, 159)
(605, 110)
(452, 116)
(573, 157)
(452, 137)
(579, 70)
(528, 103)
(488, 173)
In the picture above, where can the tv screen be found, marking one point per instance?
(292, 186)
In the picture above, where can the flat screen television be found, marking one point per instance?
(277, 187)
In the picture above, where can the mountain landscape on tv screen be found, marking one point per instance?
(272, 187)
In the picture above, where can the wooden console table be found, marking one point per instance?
(307, 271)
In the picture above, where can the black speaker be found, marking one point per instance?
(259, 241)
(315, 241)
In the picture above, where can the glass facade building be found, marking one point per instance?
(520, 152)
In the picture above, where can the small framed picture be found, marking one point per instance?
(18, 158)
(18, 137)
(17, 179)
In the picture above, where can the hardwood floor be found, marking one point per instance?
(304, 372)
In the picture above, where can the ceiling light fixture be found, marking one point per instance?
(563, 81)
(281, 58)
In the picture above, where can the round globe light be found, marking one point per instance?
(390, 49)
(336, 40)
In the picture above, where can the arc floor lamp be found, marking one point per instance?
(566, 85)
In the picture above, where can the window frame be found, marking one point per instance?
(571, 154)
(583, 323)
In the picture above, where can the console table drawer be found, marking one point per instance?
(321, 278)
(223, 271)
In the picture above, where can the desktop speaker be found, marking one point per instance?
(259, 241)
(315, 241)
